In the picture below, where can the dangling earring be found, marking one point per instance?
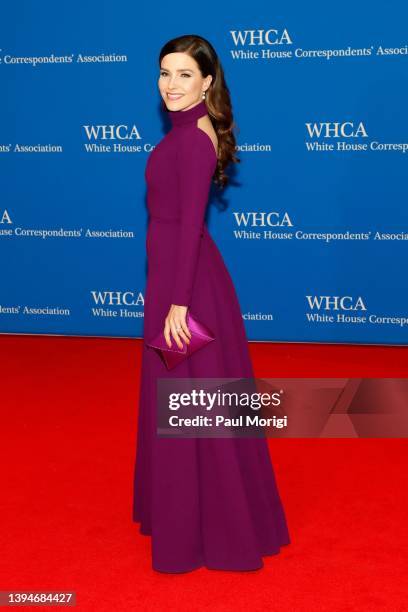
(203, 95)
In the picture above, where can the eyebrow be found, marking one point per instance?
(178, 70)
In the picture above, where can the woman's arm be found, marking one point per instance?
(195, 167)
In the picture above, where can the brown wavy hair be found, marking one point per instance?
(217, 97)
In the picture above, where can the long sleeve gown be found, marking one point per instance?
(205, 502)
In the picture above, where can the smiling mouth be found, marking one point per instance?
(169, 95)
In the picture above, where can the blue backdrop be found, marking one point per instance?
(314, 228)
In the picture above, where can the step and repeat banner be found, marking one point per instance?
(313, 226)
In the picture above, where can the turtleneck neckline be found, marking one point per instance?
(182, 117)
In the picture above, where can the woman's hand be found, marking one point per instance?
(176, 324)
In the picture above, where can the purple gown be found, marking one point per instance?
(210, 502)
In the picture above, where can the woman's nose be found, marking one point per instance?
(172, 81)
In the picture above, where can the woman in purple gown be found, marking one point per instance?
(206, 502)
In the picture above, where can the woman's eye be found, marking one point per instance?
(183, 74)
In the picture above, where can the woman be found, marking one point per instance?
(205, 501)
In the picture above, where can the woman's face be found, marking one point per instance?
(180, 82)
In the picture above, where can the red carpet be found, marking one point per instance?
(69, 415)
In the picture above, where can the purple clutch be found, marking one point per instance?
(200, 336)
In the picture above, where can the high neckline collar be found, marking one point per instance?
(182, 117)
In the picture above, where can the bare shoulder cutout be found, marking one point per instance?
(205, 125)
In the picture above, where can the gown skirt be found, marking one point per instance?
(205, 502)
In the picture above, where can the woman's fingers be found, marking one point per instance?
(185, 328)
(166, 332)
(184, 332)
(184, 336)
(176, 326)
(175, 333)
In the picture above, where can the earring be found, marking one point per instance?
(203, 95)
